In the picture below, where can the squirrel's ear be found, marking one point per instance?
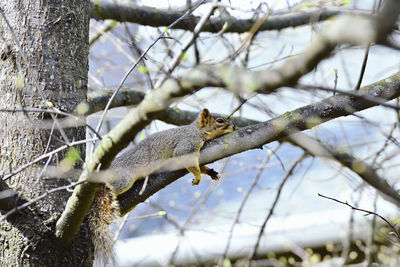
(204, 118)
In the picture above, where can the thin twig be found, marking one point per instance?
(177, 58)
(242, 102)
(109, 26)
(335, 81)
(168, 218)
(159, 213)
(271, 211)
(120, 227)
(144, 185)
(369, 253)
(242, 204)
(387, 141)
(45, 151)
(363, 66)
(252, 32)
(195, 209)
(368, 212)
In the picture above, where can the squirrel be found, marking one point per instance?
(170, 149)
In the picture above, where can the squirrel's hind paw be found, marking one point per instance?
(213, 174)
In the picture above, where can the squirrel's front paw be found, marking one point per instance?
(213, 174)
(195, 181)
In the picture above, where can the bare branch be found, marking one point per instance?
(196, 31)
(242, 204)
(271, 211)
(395, 232)
(108, 27)
(98, 100)
(157, 18)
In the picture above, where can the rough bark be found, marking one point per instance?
(54, 38)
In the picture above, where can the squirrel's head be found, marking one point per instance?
(213, 126)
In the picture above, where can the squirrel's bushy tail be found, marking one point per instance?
(100, 217)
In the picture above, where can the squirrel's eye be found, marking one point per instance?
(220, 120)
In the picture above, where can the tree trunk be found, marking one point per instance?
(54, 39)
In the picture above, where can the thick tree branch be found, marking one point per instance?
(98, 100)
(149, 16)
(255, 136)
